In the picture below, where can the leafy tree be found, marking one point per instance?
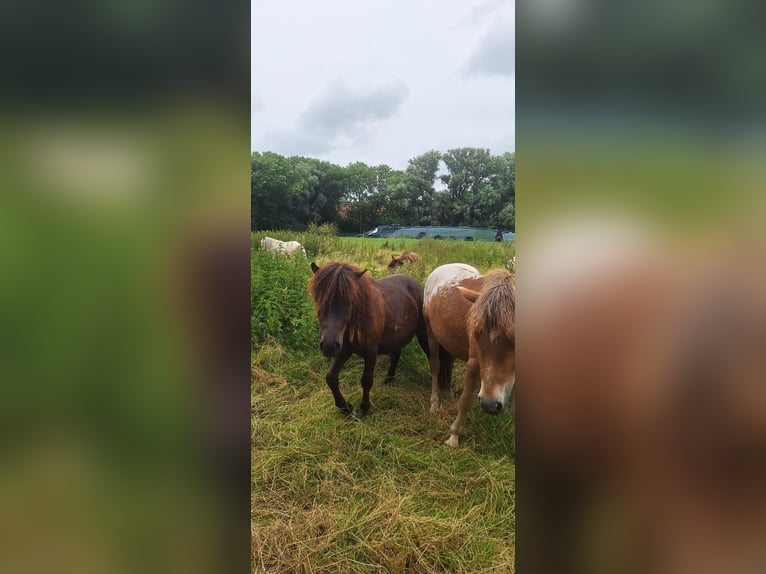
(507, 217)
(325, 184)
(480, 187)
(470, 171)
(277, 199)
(506, 184)
(296, 191)
(361, 184)
(416, 197)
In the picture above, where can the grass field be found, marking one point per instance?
(331, 493)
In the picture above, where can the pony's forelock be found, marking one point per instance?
(341, 284)
(494, 312)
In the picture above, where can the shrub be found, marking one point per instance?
(323, 229)
(281, 307)
(320, 239)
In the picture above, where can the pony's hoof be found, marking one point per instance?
(361, 413)
(347, 409)
(388, 381)
(434, 407)
(452, 441)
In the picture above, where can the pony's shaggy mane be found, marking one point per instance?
(337, 285)
(494, 312)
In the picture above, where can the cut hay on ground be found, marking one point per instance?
(334, 494)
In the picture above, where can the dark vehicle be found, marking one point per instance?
(455, 233)
(380, 231)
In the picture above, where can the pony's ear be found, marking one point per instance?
(314, 267)
(359, 275)
(469, 294)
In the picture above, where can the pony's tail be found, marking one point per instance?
(422, 334)
(446, 361)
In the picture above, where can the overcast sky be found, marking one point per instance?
(382, 82)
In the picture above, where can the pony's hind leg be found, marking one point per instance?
(392, 367)
(446, 362)
(470, 386)
(367, 378)
(332, 380)
(434, 364)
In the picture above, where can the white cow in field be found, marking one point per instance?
(284, 247)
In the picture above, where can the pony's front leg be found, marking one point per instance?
(470, 387)
(332, 379)
(369, 371)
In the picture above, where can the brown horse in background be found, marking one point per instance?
(471, 317)
(396, 262)
(359, 315)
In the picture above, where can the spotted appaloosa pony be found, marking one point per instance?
(358, 314)
(396, 262)
(282, 247)
(471, 317)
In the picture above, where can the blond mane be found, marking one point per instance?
(494, 312)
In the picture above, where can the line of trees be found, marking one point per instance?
(478, 189)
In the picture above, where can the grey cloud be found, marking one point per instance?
(295, 142)
(496, 52)
(340, 116)
(344, 111)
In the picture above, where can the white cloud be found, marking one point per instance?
(339, 117)
(380, 83)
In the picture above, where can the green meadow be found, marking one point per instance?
(331, 493)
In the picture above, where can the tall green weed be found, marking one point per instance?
(281, 307)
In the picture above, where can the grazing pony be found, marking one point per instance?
(471, 317)
(282, 247)
(396, 262)
(360, 315)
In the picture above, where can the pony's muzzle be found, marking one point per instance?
(491, 406)
(329, 348)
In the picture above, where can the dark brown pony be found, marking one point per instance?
(358, 315)
(471, 317)
(396, 262)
